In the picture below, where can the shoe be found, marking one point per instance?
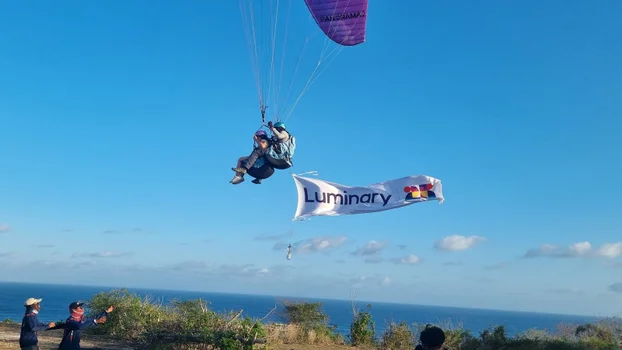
(239, 170)
(237, 180)
(256, 181)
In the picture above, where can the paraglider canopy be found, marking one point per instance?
(343, 21)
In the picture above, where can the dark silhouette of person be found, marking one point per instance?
(431, 338)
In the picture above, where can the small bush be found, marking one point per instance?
(180, 325)
(132, 317)
(398, 336)
(363, 329)
(304, 314)
(310, 324)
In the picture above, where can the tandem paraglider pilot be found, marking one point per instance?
(275, 152)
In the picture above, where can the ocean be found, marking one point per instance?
(56, 299)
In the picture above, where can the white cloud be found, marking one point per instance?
(115, 231)
(192, 274)
(368, 281)
(374, 260)
(371, 248)
(576, 250)
(319, 244)
(271, 237)
(610, 250)
(101, 255)
(581, 248)
(226, 270)
(570, 291)
(190, 265)
(57, 264)
(408, 260)
(458, 242)
(497, 266)
(45, 245)
(386, 281)
(4, 227)
(357, 281)
(244, 270)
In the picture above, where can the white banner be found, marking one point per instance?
(322, 198)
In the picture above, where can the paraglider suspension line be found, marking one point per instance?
(262, 108)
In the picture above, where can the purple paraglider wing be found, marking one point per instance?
(343, 21)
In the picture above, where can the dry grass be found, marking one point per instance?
(283, 334)
(310, 347)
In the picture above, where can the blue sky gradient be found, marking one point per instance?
(119, 123)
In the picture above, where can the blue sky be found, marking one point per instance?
(119, 123)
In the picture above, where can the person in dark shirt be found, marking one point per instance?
(28, 339)
(431, 338)
(76, 323)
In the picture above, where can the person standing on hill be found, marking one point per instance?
(76, 323)
(28, 339)
(431, 338)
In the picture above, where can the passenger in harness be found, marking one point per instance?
(255, 164)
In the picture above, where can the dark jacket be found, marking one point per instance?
(30, 327)
(73, 331)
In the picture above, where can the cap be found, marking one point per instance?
(74, 305)
(32, 301)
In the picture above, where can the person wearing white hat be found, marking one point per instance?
(30, 325)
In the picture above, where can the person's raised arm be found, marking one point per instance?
(280, 135)
(33, 324)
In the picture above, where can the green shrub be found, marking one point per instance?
(181, 324)
(311, 321)
(363, 329)
(132, 316)
(308, 315)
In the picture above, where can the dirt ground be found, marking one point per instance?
(48, 340)
(309, 347)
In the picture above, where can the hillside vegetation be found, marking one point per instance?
(147, 324)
